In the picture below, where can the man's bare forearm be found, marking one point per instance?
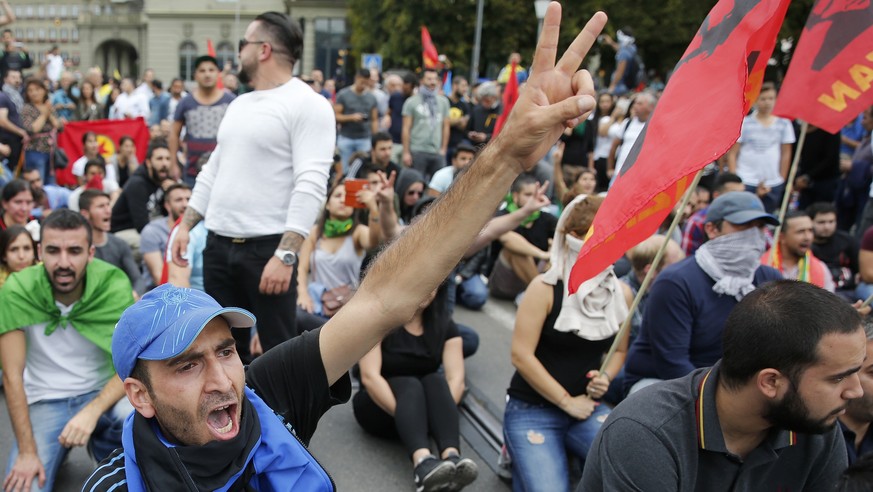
(291, 241)
(191, 218)
(495, 228)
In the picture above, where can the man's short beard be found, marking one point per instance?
(792, 413)
(244, 76)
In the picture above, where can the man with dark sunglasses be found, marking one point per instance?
(276, 141)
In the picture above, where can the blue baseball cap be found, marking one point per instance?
(739, 207)
(164, 323)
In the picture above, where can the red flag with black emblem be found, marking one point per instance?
(109, 132)
(510, 95)
(696, 121)
(429, 55)
(830, 79)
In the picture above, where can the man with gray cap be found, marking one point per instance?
(690, 300)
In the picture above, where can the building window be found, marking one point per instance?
(74, 11)
(52, 11)
(53, 35)
(187, 55)
(19, 11)
(28, 12)
(19, 33)
(65, 34)
(74, 34)
(41, 34)
(31, 34)
(96, 9)
(330, 40)
(62, 11)
(40, 11)
(225, 53)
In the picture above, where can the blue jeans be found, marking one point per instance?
(41, 162)
(472, 293)
(348, 146)
(48, 419)
(539, 437)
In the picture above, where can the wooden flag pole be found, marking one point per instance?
(789, 187)
(867, 302)
(625, 327)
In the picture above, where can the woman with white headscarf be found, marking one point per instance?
(557, 348)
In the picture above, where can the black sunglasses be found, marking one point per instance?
(244, 42)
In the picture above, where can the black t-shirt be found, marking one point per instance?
(540, 230)
(139, 198)
(566, 357)
(14, 60)
(356, 169)
(840, 251)
(538, 234)
(458, 135)
(395, 107)
(405, 354)
(483, 119)
(291, 380)
(12, 113)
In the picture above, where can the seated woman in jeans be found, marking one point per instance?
(403, 392)
(557, 347)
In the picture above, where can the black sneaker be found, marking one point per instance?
(433, 475)
(466, 472)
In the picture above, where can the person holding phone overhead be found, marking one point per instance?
(332, 255)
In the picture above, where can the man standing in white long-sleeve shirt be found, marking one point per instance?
(263, 186)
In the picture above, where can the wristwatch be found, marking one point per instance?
(288, 257)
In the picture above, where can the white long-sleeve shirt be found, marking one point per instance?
(268, 174)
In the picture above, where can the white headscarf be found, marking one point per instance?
(597, 309)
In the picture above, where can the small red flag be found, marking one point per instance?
(429, 55)
(210, 50)
(108, 133)
(696, 121)
(830, 80)
(510, 95)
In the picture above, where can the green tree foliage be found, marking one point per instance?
(662, 29)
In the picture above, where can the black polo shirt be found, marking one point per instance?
(865, 447)
(668, 437)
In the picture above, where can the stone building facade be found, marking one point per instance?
(167, 35)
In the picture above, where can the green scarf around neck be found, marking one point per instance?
(335, 228)
(511, 206)
(27, 300)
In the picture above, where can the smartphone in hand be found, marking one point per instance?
(353, 186)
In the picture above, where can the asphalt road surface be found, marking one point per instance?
(360, 462)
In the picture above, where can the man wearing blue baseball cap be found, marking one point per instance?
(690, 300)
(203, 422)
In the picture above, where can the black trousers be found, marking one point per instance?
(232, 271)
(424, 407)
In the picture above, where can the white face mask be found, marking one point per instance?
(623, 39)
(731, 260)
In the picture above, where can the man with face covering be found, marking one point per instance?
(690, 300)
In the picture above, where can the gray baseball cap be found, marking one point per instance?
(739, 207)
